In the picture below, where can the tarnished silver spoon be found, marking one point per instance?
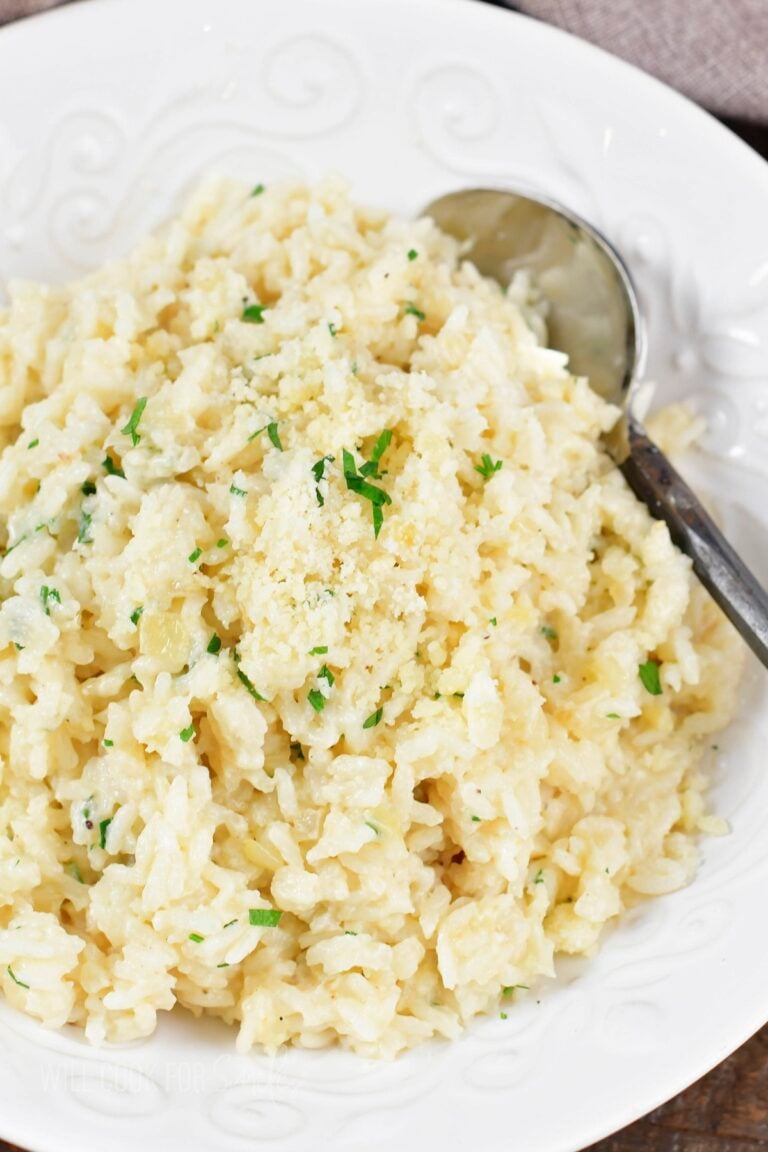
(595, 318)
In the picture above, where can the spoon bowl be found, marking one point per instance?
(592, 309)
(593, 316)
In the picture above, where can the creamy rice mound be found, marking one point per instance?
(343, 681)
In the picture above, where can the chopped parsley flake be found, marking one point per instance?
(326, 674)
(248, 684)
(488, 466)
(33, 443)
(224, 965)
(84, 528)
(320, 650)
(274, 436)
(374, 827)
(108, 743)
(88, 488)
(612, 716)
(412, 310)
(493, 621)
(131, 428)
(222, 543)
(372, 467)
(16, 545)
(556, 679)
(229, 923)
(510, 988)
(349, 932)
(111, 468)
(412, 254)
(332, 329)
(539, 877)
(73, 870)
(271, 431)
(264, 917)
(214, 644)
(257, 191)
(195, 556)
(316, 699)
(503, 1016)
(103, 829)
(383, 442)
(649, 674)
(196, 938)
(136, 614)
(357, 483)
(318, 471)
(374, 718)
(186, 734)
(550, 633)
(476, 819)
(47, 594)
(15, 978)
(254, 314)
(237, 491)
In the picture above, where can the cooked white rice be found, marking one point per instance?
(420, 764)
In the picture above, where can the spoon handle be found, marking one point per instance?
(725, 576)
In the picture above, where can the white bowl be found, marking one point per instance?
(108, 110)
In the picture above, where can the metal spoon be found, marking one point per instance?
(595, 318)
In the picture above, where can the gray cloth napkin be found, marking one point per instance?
(716, 51)
(15, 9)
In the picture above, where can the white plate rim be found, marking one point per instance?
(493, 19)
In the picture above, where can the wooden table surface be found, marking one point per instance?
(727, 1111)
